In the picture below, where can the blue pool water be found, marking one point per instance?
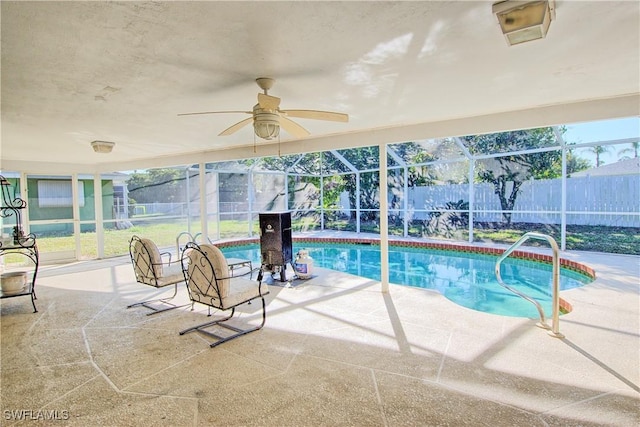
(465, 278)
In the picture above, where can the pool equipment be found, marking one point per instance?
(276, 248)
(303, 264)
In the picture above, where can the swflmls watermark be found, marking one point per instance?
(35, 415)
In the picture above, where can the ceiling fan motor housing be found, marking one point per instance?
(265, 123)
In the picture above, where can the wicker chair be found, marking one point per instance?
(151, 270)
(210, 283)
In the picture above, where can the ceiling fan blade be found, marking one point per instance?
(317, 115)
(268, 102)
(215, 112)
(293, 128)
(236, 127)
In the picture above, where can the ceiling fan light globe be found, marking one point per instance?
(267, 130)
(266, 124)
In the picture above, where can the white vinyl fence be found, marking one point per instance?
(608, 200)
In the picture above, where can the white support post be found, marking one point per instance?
(563, 203)
(321, 202)
(188, 183)
(563, 191)
(97, 192)
(250, 192)
(357, 202)
(286, 191)
(384, 221)
(472, 165)
(204, 215)
(472, 197)
(76, 214)
(217, 184)
(405, 201)
(24, 196)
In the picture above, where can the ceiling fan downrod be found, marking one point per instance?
(265, 83)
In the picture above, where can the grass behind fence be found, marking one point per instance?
(584, 238)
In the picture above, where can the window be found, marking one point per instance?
(57, 193)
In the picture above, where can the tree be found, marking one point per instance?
(364, 158)
(342, 169)
(625, 152)
(574, 164)
(166, 185)
(303, 179)
(598, 150)
(420, 175)
(416, 155)
(507, 173)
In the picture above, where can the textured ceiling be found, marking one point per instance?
(74, 72)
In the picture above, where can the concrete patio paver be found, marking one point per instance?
(334, 351)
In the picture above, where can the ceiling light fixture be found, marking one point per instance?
(523, 21)
(102, 146)
(265, 123)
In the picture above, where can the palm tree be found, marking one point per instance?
(624, 153)
(598, 150)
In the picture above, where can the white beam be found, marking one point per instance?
(541, 116)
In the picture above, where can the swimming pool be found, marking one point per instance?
(466, 278)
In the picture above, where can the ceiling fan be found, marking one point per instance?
(267, 117)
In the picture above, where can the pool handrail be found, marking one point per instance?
(554, 331)
(190, 238)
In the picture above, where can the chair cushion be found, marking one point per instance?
(201, 274)
(148, 257)
(223, 292)
(220, 267)
(142, 266)
(242, 290)
(172, 274)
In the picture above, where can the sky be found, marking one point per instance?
(603, 131)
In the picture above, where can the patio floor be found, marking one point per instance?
(335, 351)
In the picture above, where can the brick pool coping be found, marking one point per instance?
(455, 247)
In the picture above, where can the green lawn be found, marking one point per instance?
(116, 242)
(586, 238)
(617, 240)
